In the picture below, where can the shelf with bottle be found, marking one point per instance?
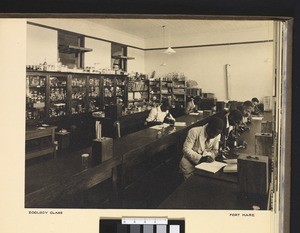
(35, 97)
(137, 106)
(94, 103)
(57, 96)
(78, 94)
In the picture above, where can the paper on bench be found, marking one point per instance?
(159, 127)
(211, 167)
(194, 113)
(180, 124)
(257, 117)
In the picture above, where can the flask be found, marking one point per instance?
(45, 64)
(58, 64)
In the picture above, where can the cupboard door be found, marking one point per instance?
(58, 105)
(35, 97)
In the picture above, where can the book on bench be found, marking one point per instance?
(213, 167)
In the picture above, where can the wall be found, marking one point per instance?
(262, 32)
(41, 45)
(251, 72)
(86, 27)
(138, 64)
(206, 65)
(100, 54)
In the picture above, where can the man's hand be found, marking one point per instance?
(207, 159)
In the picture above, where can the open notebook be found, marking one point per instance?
(211, 167)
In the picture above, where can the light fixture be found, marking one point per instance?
(169, 50)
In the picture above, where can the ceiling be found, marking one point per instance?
(150, 28)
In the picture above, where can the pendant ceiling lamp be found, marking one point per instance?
(169, 50)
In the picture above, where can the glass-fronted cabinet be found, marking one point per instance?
(78, 95)
(57, 96)
(108, 90)
(51, 95)
(120, 90)
(35, 97)
(114, 90)
(94, 99)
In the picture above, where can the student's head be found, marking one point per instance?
(247, 108)
(190, 99)
(255, 101)
(235, 117)
(214, 127)
(165, 105)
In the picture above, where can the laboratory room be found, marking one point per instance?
(151, 113)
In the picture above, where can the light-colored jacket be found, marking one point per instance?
(195, 147)
(157, 115)
(189, 107)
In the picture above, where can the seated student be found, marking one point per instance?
(255, 110)
(190, 106)
(231, 120)
(160, 114)
(246, 110)
(201, 145)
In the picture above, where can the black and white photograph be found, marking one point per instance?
(153, 115)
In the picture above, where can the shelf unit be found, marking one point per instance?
(179, 93)
(174, 89)
(137, 91)
(155, 90)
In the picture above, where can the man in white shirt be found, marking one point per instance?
(201, 145)
(190, 106)
(160, 113)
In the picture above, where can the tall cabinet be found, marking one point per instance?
(114, 90)
(54, 95)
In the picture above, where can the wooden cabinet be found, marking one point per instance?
(54, 95)
(40, 141)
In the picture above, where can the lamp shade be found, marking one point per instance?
(169, 50)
